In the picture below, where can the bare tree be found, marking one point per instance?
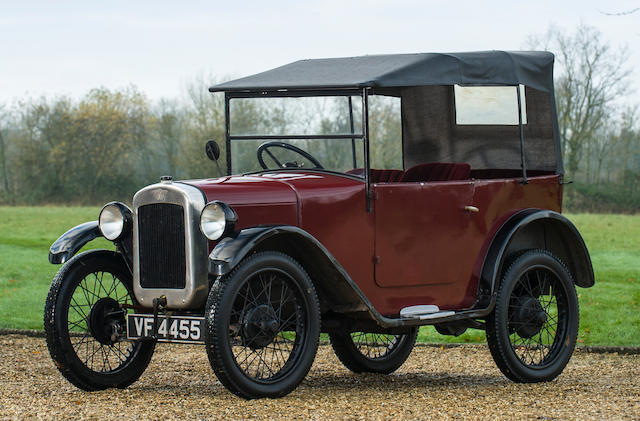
(623, 13)
(168, 130)
(629, 145)
(203, 119)
(591, 77)
(4, 146)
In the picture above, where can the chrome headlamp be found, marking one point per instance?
(217, 220)
(115, 219)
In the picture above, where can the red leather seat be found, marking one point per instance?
(356, 171)
(379, 176)
(386, 176)
(437, 171)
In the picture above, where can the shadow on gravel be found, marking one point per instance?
(347, 383)
(213, 389)
(399, 382)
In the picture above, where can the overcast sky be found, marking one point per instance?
(68, 47)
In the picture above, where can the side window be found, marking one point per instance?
(489, 105)
(385, 132)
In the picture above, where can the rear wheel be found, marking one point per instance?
(262, 326)
(373, 352)
(532, 331)
(85, 324)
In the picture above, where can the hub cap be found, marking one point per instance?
(530, 317)
(105, 320)
(260, 326)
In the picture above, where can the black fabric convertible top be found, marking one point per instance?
(529, 68)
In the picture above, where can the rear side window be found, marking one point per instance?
(489, 105)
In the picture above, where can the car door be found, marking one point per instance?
(423, 234)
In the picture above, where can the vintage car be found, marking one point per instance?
(441, 208)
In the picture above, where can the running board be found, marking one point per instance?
(424, 312)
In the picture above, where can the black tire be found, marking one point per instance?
(265, 312)
(363, 352)
(86, 288)
(533, 329)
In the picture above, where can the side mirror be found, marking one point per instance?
(213, 150)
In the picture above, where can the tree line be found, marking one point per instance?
(102, 147)
(110, 143)
(598, 119)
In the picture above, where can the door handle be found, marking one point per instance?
(470, 208)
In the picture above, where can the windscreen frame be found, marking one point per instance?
(286, 93)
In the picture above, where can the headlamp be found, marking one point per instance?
(217, 220)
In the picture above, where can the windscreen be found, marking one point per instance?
(272, 133)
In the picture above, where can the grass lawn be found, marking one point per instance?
(609, 312)
(25, 273)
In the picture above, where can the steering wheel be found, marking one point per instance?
(264, 148)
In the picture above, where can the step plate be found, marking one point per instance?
(415, 311)
(435, 315)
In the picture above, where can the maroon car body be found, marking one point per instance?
(462, 229)
(433, 257)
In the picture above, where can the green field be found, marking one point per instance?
(609, 312)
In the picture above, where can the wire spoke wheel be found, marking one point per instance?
(374, 345)
(373, 352)
(266, 325)
(85, 323)
(535, 319)
(263, 325)
(99, 292)
(533, 329)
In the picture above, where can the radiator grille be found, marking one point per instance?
(161, 242)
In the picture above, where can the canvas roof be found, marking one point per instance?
(529, 68)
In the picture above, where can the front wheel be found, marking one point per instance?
(373, 352)
(84, 323)
(532, 331)
(262, 326)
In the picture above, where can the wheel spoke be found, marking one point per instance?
(83, 341)
(94, 296)
(85, 291)
(273, 157)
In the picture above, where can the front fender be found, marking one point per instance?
(65, 247)
(330, 278)
(231, 250)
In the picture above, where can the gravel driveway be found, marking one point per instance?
(435, 383)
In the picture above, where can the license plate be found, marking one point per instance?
(185, 329)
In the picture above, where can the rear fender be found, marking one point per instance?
(543, 229)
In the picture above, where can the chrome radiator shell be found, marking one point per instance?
(192, 201)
